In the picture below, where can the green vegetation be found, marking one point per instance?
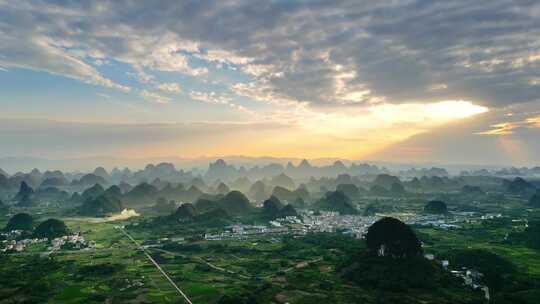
(389, 237)
(20, 221)
(102, 205)
(186, 212)
(490, 226)
(273, 208)
(336, 201)
(51, 228)
(495, 269)
(436, 207)
(534, 201)
(234, 203)
(411, 280)
(92, 192)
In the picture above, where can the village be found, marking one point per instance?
(14, 243)
(327, 221)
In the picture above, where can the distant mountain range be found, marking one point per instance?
(15, 164)
(11, 165)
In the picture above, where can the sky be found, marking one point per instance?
(402, 80)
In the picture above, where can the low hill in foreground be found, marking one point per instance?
(51, 228)
(20, 221)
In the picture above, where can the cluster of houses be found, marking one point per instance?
(293, 225)
(71, 242)
(13, 243)
(132, 284)
(471, 277)
(328, 221)
(241, 232)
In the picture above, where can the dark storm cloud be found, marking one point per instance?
(321, 52)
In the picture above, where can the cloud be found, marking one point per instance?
(169, 87)
(264, 92)
(438, 87)
(154, 97)
(105, 96)
(43, 53)
(323, 53)
(375, 72)
(220, 99)
(383, 122)
(210, 97)
(533, 122)
(512, 139)
(504, 128)
(508, 128)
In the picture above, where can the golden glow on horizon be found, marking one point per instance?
(436, 112)
(354, 133)
(454, 109)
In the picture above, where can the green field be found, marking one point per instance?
(261, 269)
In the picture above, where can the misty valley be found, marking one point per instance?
(355, 233)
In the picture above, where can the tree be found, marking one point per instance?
(531, 235)
(20, 221)
(386, 181)
(436, 207)
(257, 191)
(378, 190)
(336, 201)
(114, 191)
(161, 201)
(235, 203)
(350, 190)
(534, 201)
(272, 207)
(518, 186)
(299, 203)
(371, 209)
(391, 237)
(474, 190)
(498, 272)
(163, 206)
(25, 201)
(24, 196)
(24, 191)
(397, 188)
(92, 192)
(186, 212)
(283, 180)
(102, 205)
(288, 210)
(283, 194)
(222, 189)
(51, 228)
(414, 184)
